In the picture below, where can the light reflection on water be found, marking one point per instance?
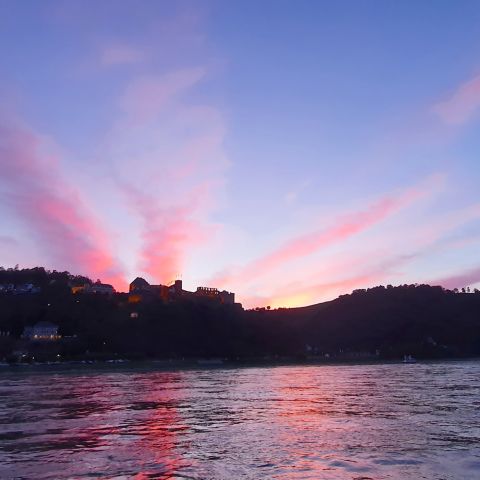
(327, 422)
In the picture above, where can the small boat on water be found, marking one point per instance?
(408, 359)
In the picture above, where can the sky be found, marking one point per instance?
(289, 151)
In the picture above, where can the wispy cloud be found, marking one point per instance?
(54, 211)
(346, 227)
(315, 293)
(459, 280)
(378, 266)
(310, 292)
(175, 146)
(167, 233)
(462, 105)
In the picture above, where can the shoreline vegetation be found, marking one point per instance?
(378, 324)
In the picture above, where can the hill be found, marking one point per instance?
(386, 322)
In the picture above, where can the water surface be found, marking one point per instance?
(312, 422)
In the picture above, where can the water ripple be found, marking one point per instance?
(368, 422)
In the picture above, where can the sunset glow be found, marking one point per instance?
(285, 155)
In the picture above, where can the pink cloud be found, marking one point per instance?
(54, 211)
(175, 148)
(167, 232)
(462, 105)
(304, 293)
(310, 292)
(318, 292)
(113, 55)
(460, 280)
(346, 227)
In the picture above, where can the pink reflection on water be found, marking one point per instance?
(160, 432)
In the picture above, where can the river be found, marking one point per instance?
(389, 421)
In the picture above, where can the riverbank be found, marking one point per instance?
(205, 364)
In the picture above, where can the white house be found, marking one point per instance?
(42, 331)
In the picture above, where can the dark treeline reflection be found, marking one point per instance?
(386, 322)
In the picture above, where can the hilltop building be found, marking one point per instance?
(103, 288)
(227, 298)
(141, 290)
(139, 284)
(97, 287)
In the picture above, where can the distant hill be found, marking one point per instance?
(422, 320)
(384, 322)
